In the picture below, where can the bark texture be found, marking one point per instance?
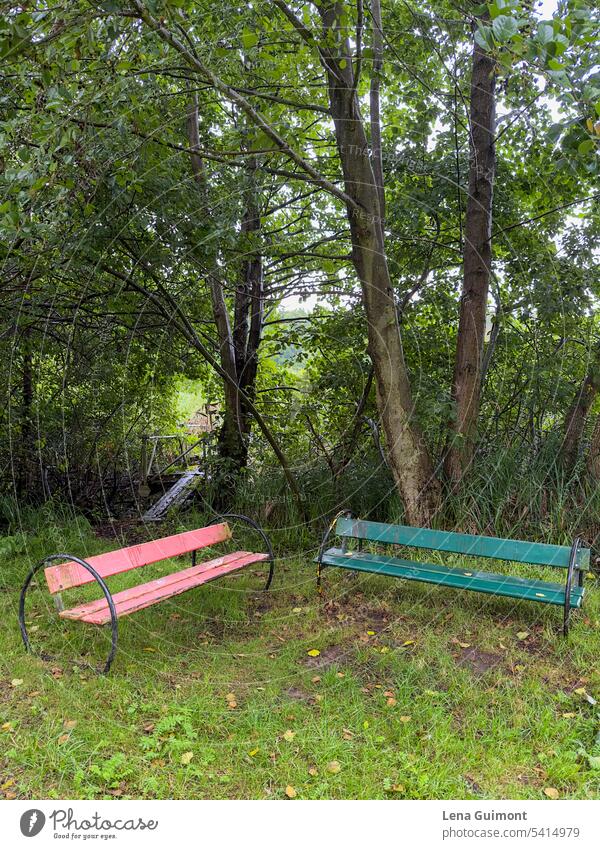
(408, 456)
(593, 457)
(577, 415)
(477, 267)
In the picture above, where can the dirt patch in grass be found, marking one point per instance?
(328, 657)
(478, 662)
(297, 694)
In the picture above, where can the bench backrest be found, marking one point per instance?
(71, 574)
(518, 551)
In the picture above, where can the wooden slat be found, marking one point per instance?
(71, 574)
(485, 582)
(145, 595)
(518, 551)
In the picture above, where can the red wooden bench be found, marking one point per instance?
(108, 609)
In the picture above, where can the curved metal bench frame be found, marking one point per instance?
(257, 527)
(104, 588)
(573, 567)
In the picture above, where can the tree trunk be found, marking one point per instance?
(593, 458)
(408, 455)
(24, 478)
(477, 265)
(577, 416)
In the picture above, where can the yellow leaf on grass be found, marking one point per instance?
(253, 752)
(408, 643)
(230, 697)
(551, 792)
(315, 679)
(522, 635)
(405, 718)
(149, 649)
(581, 691)
(290, 792)
(296, 610)
(313, 652)
(16, 682)
(63, 739)
(569, 715)
(7, 784)
(289, 735)
(312, 770)
(69, 723)
(464, 645)
(186, 758)
(371, 633)
(7, 726)
(334, 767)
(392, 702)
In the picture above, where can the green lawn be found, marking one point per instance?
(417, 692)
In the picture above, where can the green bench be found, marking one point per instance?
(574, 559)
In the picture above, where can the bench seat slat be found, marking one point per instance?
(144, 595)
(71, 574)
(517, 551)
(486, 582)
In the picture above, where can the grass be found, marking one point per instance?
(418, 692)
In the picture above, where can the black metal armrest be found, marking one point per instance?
(257, 528)
(573, 567)
(109, 600)
(325, 540)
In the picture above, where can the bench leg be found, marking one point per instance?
(109, 599)
(570, 573)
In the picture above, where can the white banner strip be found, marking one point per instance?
(302, 824)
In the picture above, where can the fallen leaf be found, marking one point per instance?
(7, 726)
(253, 752)
(34, 693)
(522, 635)
(149, 727)
(581, 691)
(186, 758)
(10, 795)
(313, 652)
(551, 792)
(315, 679)
(69, 723)
(63, 739)
(16, 682)
(371, 633)
(312, 770)
(289, 735)
(392, 702)
(318, 697)
(333, 767)
(296, 610)
(464, 645)
(347, 734)
(405, 718)
(408, 643)
(569, 715)
(341, 674)
(290, 792)
(232, 705)
(150, 649)
(7, 784)
(230, 697)
(389, 694)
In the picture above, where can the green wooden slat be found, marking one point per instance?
(484, 582)
(519, 551)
